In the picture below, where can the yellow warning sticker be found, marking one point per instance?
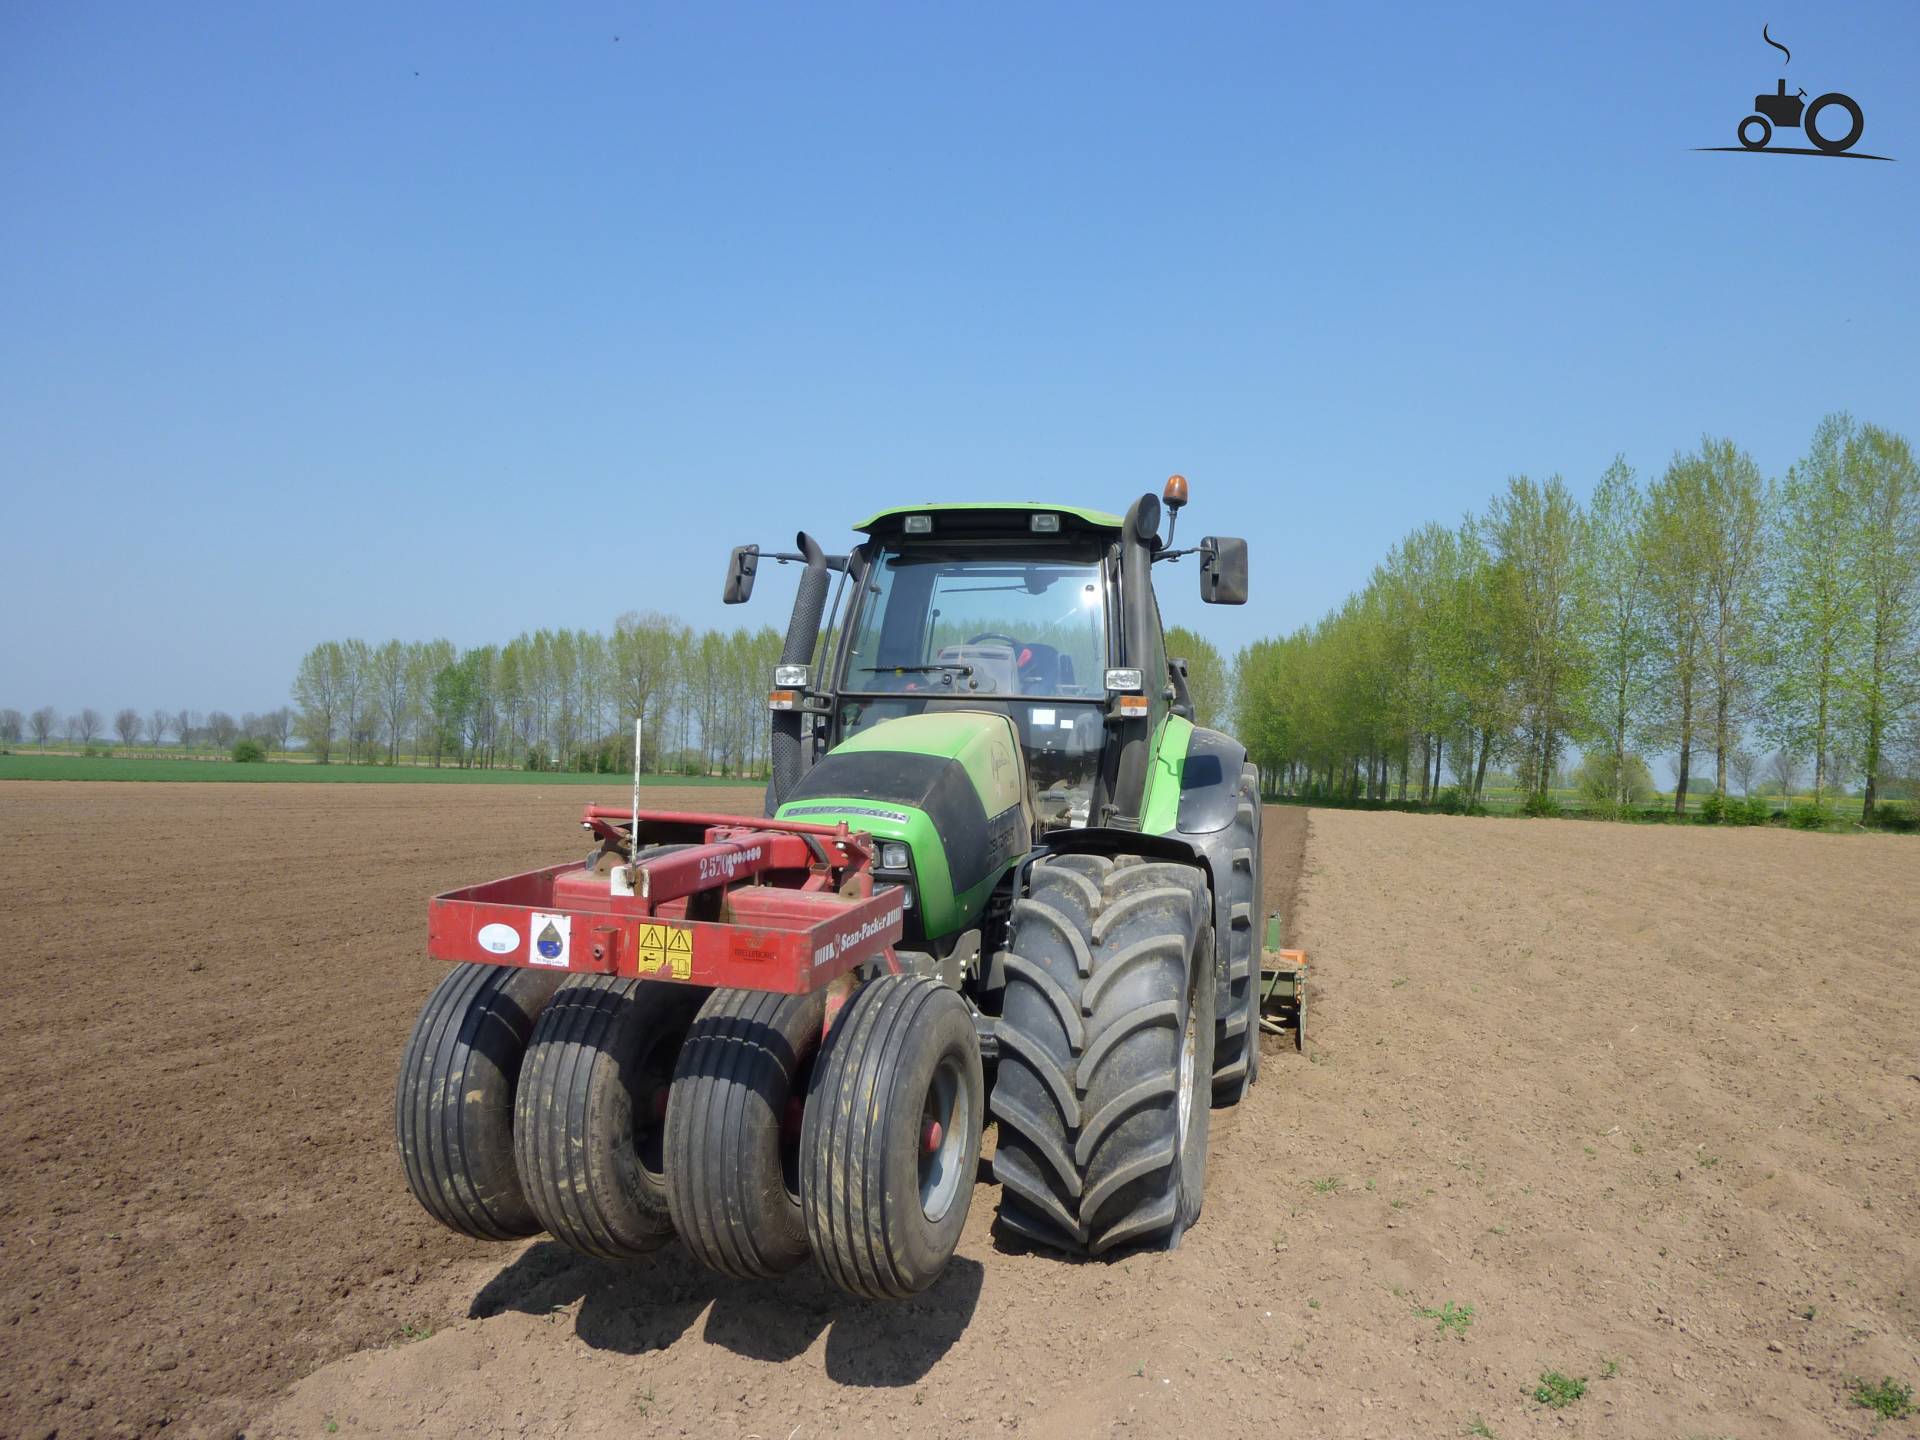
(665, 946)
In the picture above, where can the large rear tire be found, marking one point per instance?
(1106, 1046)
(891, 1139)
(589, 1122)
(1810, 124)
(733, 1141)
(1236, 1048)
(453, 1105)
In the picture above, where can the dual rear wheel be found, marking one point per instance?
(616, 1113)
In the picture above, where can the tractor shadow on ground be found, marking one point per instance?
(633, 1307)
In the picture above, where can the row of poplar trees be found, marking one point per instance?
(1678, 617)
(567, 698)
(547, 699)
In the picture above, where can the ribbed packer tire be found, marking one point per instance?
(586, 1128)
(453, 1106)
(1110, 982)
(1236, 1046)
(732, 1158)
(884, 1211)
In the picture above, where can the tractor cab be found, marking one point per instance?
(972, 679)
(1003, 610)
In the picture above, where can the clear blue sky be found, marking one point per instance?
(455, 319)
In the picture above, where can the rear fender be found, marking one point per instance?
(1209, 783)
(1209, 803)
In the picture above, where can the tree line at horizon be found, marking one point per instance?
(1686, 616)
(567, 699)
(155, 729)
(547, 699)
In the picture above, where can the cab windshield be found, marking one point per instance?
(943, 628)
(936, 620)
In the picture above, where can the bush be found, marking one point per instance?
(1809, 816)
(1594, 779)
(1449, 801)
(1894, 815)
(1713, 809)
(248, 751)
(1750, 811)
(1541, 807)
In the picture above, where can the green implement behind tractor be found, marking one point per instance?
(1056, 874)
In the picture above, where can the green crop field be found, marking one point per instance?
(78, 767)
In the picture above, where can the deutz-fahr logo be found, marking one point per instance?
(1832, 123)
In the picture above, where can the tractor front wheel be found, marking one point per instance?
(453, 1106)
(733, 1130)
(1106, 1051)
(891, 1139)
(590, 1117)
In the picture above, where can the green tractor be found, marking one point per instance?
(1045, 880)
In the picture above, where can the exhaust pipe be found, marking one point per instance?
(790, 760)
(1124, 774)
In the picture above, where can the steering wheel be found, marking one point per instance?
(1012, 644)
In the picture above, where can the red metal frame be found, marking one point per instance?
(753, 904)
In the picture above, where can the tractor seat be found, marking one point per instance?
(1043, 669)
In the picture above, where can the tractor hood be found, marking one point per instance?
(951, 784)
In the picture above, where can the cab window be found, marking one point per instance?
(938, 621)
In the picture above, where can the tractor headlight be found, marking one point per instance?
(895, 856)
(789, 677)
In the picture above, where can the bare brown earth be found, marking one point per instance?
(203, 995)
(1642, 1097)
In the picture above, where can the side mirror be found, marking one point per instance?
(741, 567)
(1223, 570)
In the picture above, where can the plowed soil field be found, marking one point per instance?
(1644, 1100)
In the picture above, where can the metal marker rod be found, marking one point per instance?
(633, 840)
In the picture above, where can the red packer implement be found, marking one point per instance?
(747, 904)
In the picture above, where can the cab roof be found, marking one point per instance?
(987, 515)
